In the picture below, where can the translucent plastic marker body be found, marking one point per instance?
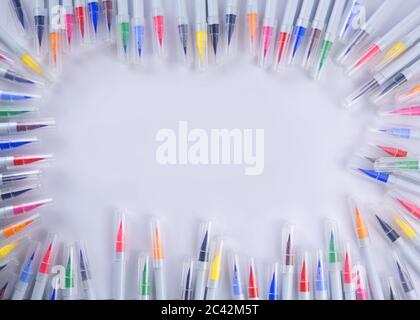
(17, 161)
(138, 25)
(11, 128)
(17, 97)
(406, 228)
(119, 260)
(85, 274)
(11, 177)
(406, 203)
(287, 262)
(273, 292)
(285, 32)
(159, 26)
(55, 49)
(144, 278)
(392, 291)
(383, 75)
(107, 9)
(363, 240)
(93, 18)
(213, 24)
(80, 10)
(410, 255)
(320, 277)
(26, 273)
(123, 21)
(404, 277)
(388, 164)
(252, 15)
(183, 28)
(69, 291)
(213, 281)
(334, 264)
(361, 283)
(386, 40)
(40, 25)
(5, 58)
(300, 28)
(317, 28)
(304, 287)
(231, 19)
(187, 280)
(409, 133)
(349, 288)
(17, 210)
(69, 22)
(17, 227)
(367, 29)
(330, 37)
(351, 12)
(399, 48)
(253, 287)
(158, 261)
(202, 261)
(41, 278)
(398, 80)
(268, 32)
(14, 192)
(9, 144)
(411, 94)
(237, 292)
(19, 13)
(408, 111)
(201, 36)
(15, 77)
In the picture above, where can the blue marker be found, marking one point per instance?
(10, 96)
(14, 192)
(400, 132)
(351, 12)
(273, 288)
(138, 25)
(26, 274)
(15, 143)
(187, 280)
(321, 288)
(236, 282)
(93, 9)
(300, 28)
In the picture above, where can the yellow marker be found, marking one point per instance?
(32, 64)
(5, 250)
(397, 50)
(213, 282)
(404, 226)
(201, 36)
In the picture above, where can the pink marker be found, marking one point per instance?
(409, 111)
(361, 283)
(12, 211)
(268, 32)
(68, 17)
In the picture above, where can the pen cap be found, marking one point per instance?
(120, 233)
(157, 245)
(304, 272)
(288, 245)
(216, 256)
(144, 277)
(204, 242)
(235, 276)
(187, 279)
(332, 241)
(359, 222)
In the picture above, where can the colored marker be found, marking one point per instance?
(20, 15)
(85, 274)
(40, 24)
(363, 240)
(26, 273)
(285, 33)
(300, 28)
(187, 280)
(93, 18)
(288, 261)
(392, 291)
(399, 48)
(393, 151)
(183, 28)
(7, 249)
(5, 58)
(405, 279)
(409, 111)
(317, 28)
(408, 205)
(69, 21)
(376, 20)
(159, 26)
(47, 257)
(138, 23)
(8, 144)
(304, 292)
(55, 53)
(16, 191)
(237, 291)
(321, 285)
(268, 32)
(361, 288)
(15, 77)
(398, 80)
(10, 177)
(202, 261)
(253, 288)
(231, 18)
(351, 13)
(273, 283)
(81, 19)
(144, 278)
(252, 15)
(69, 281)
(158, 261)
(201, 43)
(334, 263)
(348, 281)
(12, 127)
(389, 164)
(17, 210)
(119, 264)
(213, 24)
(383, 75)
(17, 227)
(15, 161)
(123, 20)
(411, 256)
(213, 281)
(386, 41)
(330, 37)
(410, 94)
(26, 58)
(409, 133)
(17, 97)
(107, 7)
(406, 228)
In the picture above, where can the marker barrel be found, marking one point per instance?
(201, 280)
(160, 287)
(119, 276)
(372, 274)
(336, 288)
(411, 256)
(287, 283)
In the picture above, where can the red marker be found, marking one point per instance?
(159, 26)
(253, 290)
(304, 292)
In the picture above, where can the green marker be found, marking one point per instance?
(334, 265)
(69, 292)
(330, 37)
(11, 111)
(392, 164)
(123, 20)
(144, 278)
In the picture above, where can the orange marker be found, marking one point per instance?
(158, 261)
(252, 22)
(17, 227)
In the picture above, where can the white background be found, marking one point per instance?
(104, 145)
